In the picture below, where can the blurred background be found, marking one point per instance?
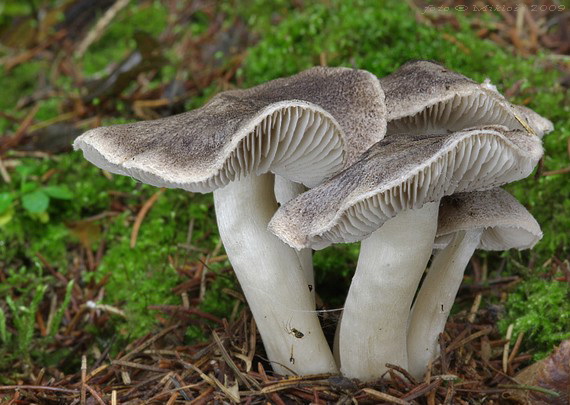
(91, 261)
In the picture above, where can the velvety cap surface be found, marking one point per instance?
(305, 127)
(404, 172)
(424, 96)
(506, 223)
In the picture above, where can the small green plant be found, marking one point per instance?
(31, 196)
(22, 343)
(4, 336)
(55, 323)
(23, 318)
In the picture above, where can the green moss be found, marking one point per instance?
(145, 269)
(541, 309)
(216, 301)
(334, 267)
(139, 277)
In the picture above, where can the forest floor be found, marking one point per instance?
(85, 317)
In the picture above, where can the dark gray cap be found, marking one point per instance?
(404, 172)
(424, 96)
(305, 128)
(505, 222)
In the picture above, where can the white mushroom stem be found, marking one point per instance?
(390, 266)
(286, 190)
(435, 299)
(271, 278)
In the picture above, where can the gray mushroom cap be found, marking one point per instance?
(424, 96)
(404, 172)
(305, 128)
(506, 223)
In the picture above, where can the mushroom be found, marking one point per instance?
(303, 128)
(425, 97)
(390, 196)
(489, 220)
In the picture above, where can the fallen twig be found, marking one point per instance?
(141, 215)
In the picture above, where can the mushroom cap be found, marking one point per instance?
(305, 128)
(506, 223)
(424, 96)
(404, 172)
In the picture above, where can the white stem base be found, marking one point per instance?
(374, 322)
(271, 278)
(435, 299)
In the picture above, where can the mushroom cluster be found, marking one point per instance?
(409, 164)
